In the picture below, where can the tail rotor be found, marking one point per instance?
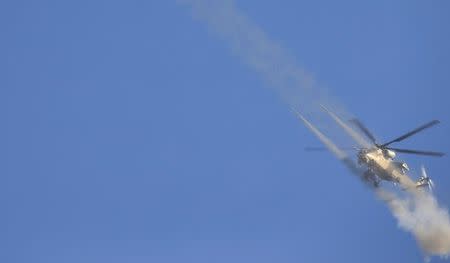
(425, 180)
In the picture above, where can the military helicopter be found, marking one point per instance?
(378, 158)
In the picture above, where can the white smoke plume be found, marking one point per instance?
(251, 44)
(416, 212)
(420, 214)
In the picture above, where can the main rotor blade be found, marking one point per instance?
(364, 129)
(411, 133)
(435, 154)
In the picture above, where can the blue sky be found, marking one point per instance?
(132, 134)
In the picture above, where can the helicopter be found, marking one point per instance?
(378, 159)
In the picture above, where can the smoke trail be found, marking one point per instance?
(333, 148)
(420, 214)
(416, 212)
(274, 64)
(354, 135)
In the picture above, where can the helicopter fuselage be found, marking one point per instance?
(381, 165)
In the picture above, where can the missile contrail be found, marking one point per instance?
(275, 65)
(353, 134)
(333, 148)
(418, 213)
